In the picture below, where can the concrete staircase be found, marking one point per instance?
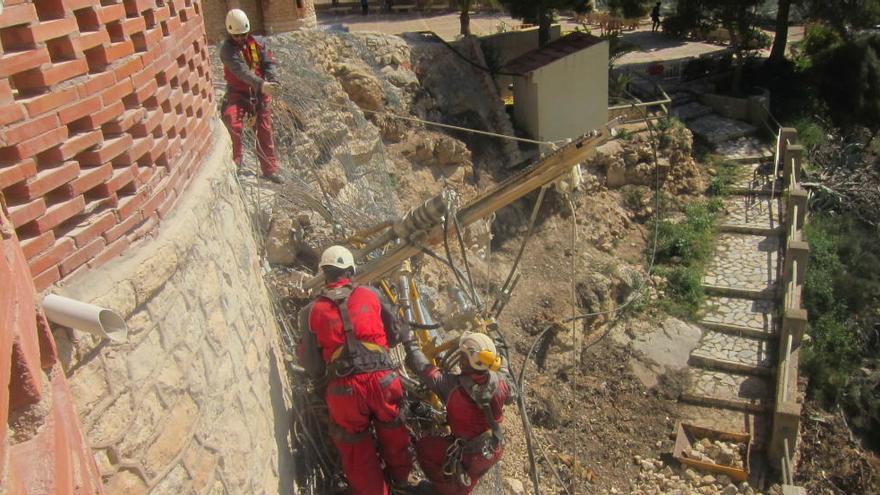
(732, 369)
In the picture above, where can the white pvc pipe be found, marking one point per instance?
(86, 317)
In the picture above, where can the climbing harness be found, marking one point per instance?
(355, 356)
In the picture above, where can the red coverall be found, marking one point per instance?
(245, 67)
(466, 419)
(360, 398)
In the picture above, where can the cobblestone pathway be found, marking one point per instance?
(731, 376)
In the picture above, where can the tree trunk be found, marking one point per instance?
(465, 17)
(777, 53)
(543, 25)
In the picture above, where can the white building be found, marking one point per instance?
(561, 89)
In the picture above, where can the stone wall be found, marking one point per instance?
(103, 111)
(197, 400)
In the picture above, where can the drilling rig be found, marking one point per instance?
(383, 253)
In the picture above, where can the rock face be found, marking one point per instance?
(630, 161)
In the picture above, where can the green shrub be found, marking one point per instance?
(810, 133)
(819, 37)
(632, 198)
(684, 290)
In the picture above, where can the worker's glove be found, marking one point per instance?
(270, 88)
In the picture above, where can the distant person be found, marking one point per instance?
(365, 7)
(655, 18)
(249, 71)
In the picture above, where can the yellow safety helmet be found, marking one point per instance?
(479, 349)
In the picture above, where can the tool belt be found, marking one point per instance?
(355, 356)
(485, 444)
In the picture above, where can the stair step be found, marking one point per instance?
(746, 149)
(751, 214)
(743, 265)
(690, 110)
(748, 316)
(737, 330)
(757, 425)
(737, 353)
(729, 390)
(717, 129)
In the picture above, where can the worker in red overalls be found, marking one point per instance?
(346, 332)
(474, 402)
(250, 82)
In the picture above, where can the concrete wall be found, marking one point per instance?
(525, 106)
(42, 449)
(571, 94)
(102, 124)
(195, 401)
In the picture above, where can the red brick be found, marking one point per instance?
(58, 213)
(124, 121)
(91, 228)
(31, 147)
(56, 73)
(139, 148)
(36, 245)
(120, 178)
(22, 214)
(75, 144)
(40, 104)
(129, 205)
(5, 92)
(168, 203)
(123, 227)
(142, 77)
(117, 91)
(17, 172)
(163, 94)
(11, 113)
(127, 67)
(111, 148)
(44, 181)
(147, 39)
(107, 54)
(159, 145)
(46, 279)
(95, 83)
(51, 257)
(40, 32)
(80, 109)
(90, 39)
(148, 228)
(155, 201)
(110, 13)
(29, 129)
(88, 179)
(135, 7)
(141, 94)
(98, 119)
(161, 14)
(78, 4)
(174, 25)
(14, 62)
(111, 251)
(14, 15)
(134, 24)
(82, 255)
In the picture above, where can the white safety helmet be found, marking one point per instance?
(237, 22)
(479, 349)
(337, 256)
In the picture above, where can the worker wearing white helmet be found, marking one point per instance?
(474, 400)
(346, 332)
(249, 70)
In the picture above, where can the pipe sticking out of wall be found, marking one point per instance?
(86, 317)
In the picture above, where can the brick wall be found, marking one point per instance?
(103, 110)
(267, 17)
(42, 451)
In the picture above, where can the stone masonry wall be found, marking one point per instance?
(197, 400)
(103, 110)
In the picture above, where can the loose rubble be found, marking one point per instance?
(717, 452)
(657, 478)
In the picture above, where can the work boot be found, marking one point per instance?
(422, 487)
(274, 178)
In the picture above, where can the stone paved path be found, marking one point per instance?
(732, 369)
